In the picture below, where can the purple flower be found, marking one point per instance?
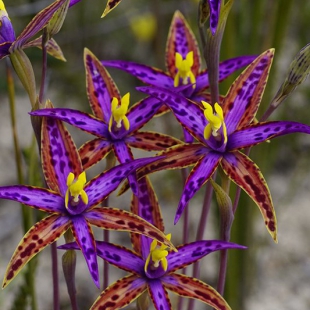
(222, 131)
(115, 128)
(71, 202)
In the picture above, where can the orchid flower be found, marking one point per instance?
(152, 267)
(71, 202)
(8, 41)
(222, 131)
(183, 63)
(115, 126)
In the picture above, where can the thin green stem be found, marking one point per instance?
(44, 66)
(56, 305)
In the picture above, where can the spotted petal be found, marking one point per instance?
(146, 206)
(258, 133)
(93, 151)
(181, 40)
(159, 295)
(59, 155)
(146, 74)
(115, 219)
(111, 4)
(215, 7)
(226, 68)
(77, 119)
(244, 96)
(100, 87)
(193, 288)
(85, 239)
(202, 171)
(120, 294)
(38, 198)
(35, 240)
(37, 23)
(105, 183)
(192, 252)
(151, 141)
(246, 174)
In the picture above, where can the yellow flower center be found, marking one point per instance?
(76, 189)
(184, 69)
(118, 112)
(158, 254)
(215, 119)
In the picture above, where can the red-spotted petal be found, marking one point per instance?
(120, 293)
(194, 288)
(59, 155)
(244, 96)
(246, 174)
(35, 240)
(146, 206)
(111, 4)
(181, 40)
(93, 151)
(100, 87)
(151, 141)
(159, 295)
(115, 219)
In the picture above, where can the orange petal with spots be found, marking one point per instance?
(120, 293)
(194, 288)
(35, 240)
(246, 174)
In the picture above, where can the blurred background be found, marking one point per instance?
(267, 276)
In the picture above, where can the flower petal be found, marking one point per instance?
(181, 40)
(93, 151)
(124, 155)
(115, 219)
(246, 174)
(146, 74)
(120, 293)
(193, 288)
(38, 198)
(37, 23)
(258, 133)
(105, 183)
(151, 141)
(59, 155)
(111, 4)
(159, 295)
(244, 96)
(77, 119)
(202, 171)
(192, 252)
(142, 112)
(189, 114)
(146, 206)
(85, 239)
(215, 7)
(35, 240)
(100, 87)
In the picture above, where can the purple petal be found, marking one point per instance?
(4, 49)
(142, 112)
(202, 171)
(258, 133)
(39, 198)
(159, 295)
(146, 74)
(85, 239)
(124, 155)
(215, 7)
(190, 253)
(73, 2)
(7, 33)
(105, 183)
(77, 119)
(187, 112)
(37, 23)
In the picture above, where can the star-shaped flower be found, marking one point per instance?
(222, 131)
(8, 41)
(71, 202)
(115, 126)
(183, 64)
